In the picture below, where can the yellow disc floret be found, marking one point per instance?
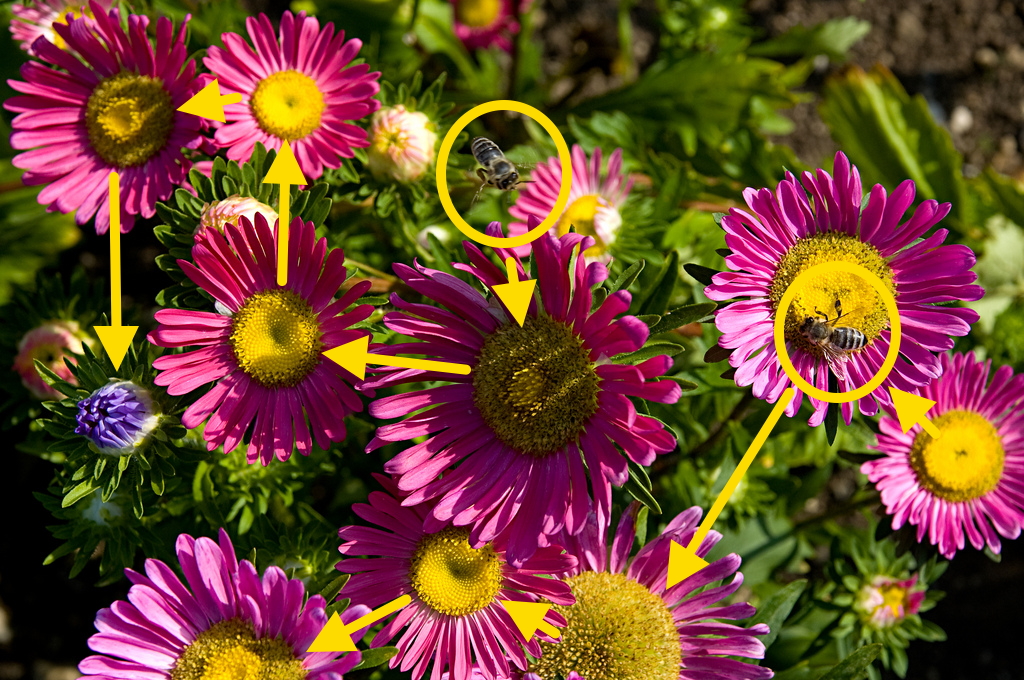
(229, 650)
(275, 338)
(861, 305)
(965, 462)
(617, 630)
(478, 13)
(535, 385)
(129, 119)
(453, 578)
(287, 104)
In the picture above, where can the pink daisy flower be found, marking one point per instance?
(643, 630)
(796, 227)
(295, 88)
(37, 19)
(543, 408)
(107, 103)
(456, 618)
(226, 620)
(594, 201)
(969, 481)
(264, 353)
(480, 24)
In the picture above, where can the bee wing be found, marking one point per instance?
(835, 358)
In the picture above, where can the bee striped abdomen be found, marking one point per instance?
(485, 151)
(848, 339)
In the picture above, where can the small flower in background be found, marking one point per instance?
(403, 144)
(970, 481)
(218, 214)
(226, 621)
(885, 601)
(884, 597)
(297, 87)
(265, 357)
(625, 625)
(594, 201)
(480, 24)
(36, 20)
(49, 344)
(782, 235)
(116, 111)
(117, 417)
(543, 410)
(456, 618)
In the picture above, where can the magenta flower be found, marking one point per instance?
(225, 621)
(108, 103)
(37, 19)
(969, 481)
(885, 601)
(295, 88)
(543, 408)
(264, 354)
(594, 201)
(455, 619)
(787, 232)
(49, 343)
(480, 24)
(643, 630)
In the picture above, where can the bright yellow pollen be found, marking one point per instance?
(129, 118)
(862, 307)
(617, 630)
(478, 13)
(893, 597)
(965, 463)
(452, 578)
(535, 385)
(229, 650)
(275, 337)
(288, 104)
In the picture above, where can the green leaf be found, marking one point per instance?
(78, 493)
(855, 666)
(626, 278)
(833, 39)
(650, 350)
(334, 587)
(639, 486)
(701, 273)
(776, 609)
(682, 316)
(376, 657)
(660, 290)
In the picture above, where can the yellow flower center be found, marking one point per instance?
(288, 104)
(229, 650)
(617, 630)
(581, 214)
(452, 578)
(77, 12)
(964, 463)
(862, 306)
(535, 385)
(276, 338)
(129, 118)
(893, 598)
(478, 13)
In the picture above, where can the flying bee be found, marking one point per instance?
(835, 342)
(495, 170)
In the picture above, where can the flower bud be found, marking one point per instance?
(402, 144)
(220, 213)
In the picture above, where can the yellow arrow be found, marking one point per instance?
(529, 618)
(515, 294)
(210, 103)
(284, 171)
(911, 409)
(684, 562)
(337, 637)
(116, 338)
(353, 357)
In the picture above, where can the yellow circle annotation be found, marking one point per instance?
(442, 174)
(896, 331)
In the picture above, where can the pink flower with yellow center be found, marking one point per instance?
(218, 214)
(36, 20)
(49, 343)
(594, 199)
(480, 24)
(886, 601)
(402, 144)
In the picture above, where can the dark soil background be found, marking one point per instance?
(965, 56)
